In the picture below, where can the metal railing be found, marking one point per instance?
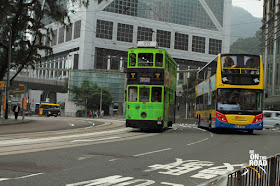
(268, 175)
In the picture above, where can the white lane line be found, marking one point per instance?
(211, 134)
(72, 124)
(144, 154)
(88, 140)
(151, 152)
(28, 140)
(88, 127)
(175, 128)
(198, 141)
(22, 177)
(202, 129)
(4, 179)
(28, 176)
(173, 184)
(114, 159)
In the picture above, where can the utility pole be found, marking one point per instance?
(8, 74)
(100, 108)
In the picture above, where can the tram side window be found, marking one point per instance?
(145, 59)
(132, 94)
(156, 94)
(144, 94)
(159, 60)
(132, 59)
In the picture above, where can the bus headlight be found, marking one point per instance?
(159, 122)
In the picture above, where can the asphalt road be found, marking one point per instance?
(111, 154)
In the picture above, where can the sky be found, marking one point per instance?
(255, 7)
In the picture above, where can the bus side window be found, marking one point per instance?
(132, 59)
(156, 94)
(159, 60)
(132, 94)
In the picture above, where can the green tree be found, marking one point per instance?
(189, 88)
(91, 93)
(27, 18)
(249, 45)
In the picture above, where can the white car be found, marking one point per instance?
(271, 119)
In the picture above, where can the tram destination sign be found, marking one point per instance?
(145, 80)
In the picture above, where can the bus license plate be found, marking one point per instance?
(239, 127)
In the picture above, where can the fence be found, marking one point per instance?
(268, 175)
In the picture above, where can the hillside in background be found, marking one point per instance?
(243, 24)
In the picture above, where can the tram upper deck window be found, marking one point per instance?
(132, 59)
(159, 60)
(145, 59)
(132, 94)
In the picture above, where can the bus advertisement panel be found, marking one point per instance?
(230, 93)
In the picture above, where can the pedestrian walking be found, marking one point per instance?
(16, 110)
(90, 113)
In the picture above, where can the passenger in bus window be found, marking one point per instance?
(228, 62)
(159, 64)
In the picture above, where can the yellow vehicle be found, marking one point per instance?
(47, 109)
(230, 93)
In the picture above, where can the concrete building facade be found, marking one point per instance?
(98, 37)
(271, 53)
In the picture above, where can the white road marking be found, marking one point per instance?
(114, 159)
(152, 152)
(85, 157)
(4, 179)
(22, 177)
(28, 140)
(197, 141)
(173, 184)
(144, 153)
(64, 132)
(88, 127)
(88, 140)
(175, 128)
(72, 124)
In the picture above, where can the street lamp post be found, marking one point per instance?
(8, 74)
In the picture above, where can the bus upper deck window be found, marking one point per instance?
(132, 59)
(132, 94)
(159, 60)
(145, 59)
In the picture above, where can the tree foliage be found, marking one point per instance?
(25, 18)
(249, 45)
(189, 87)
(90, 93)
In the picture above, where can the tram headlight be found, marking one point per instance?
(143, 114)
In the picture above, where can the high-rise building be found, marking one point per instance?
(98, 37)
(271, 53)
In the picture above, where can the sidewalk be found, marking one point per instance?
(11, 121)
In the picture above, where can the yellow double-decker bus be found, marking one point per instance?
(229, 93)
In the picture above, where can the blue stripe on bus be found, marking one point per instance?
(221, 124)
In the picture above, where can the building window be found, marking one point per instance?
(163, 38)
(77, 29)
(54, 37)
(198, 44)
(125, 32)
(181, 41)
(69, 32)
(215, 46)
(61, 35)
(104, 29)
(144, 34)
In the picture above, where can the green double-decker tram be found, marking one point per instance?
(151, 87)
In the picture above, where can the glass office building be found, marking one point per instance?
(98, 37)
